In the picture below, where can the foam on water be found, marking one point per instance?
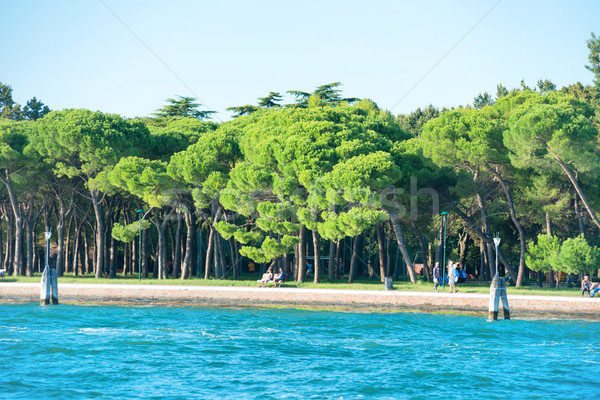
(110, 352)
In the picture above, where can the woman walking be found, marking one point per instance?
(452, 276)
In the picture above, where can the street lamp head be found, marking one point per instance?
(497, 241)
(445, 213)
(48, 234)
(139, 211)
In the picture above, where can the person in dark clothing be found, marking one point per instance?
(585, 285)
(436, 276)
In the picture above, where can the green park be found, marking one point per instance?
(299, 200)
(332, 190)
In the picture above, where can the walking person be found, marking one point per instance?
(436, 276)
(452, 276)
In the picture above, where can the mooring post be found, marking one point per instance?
(497, 293)
(494, 299)
(49, 284)
(504, 299)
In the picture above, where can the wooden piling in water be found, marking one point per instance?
(497, 294)
(49, 287)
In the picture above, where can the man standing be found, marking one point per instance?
(436, 276)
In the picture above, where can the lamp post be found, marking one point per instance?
(140, 213)
(497, 243)
(444, 222)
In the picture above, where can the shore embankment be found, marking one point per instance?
(521, 306)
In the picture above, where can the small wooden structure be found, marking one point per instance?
(49, 287)
(497, 293)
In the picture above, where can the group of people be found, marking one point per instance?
(589, 287)
(455, 274)
(269, 277)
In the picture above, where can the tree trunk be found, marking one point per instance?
(29, 246)
(30, 223)
(8, 253)
(209, 251)
(200, 256)
(423, 245)
(177, 258)
(189, 243)
(236, 260)
(332, 261)
(462, 245)
(67, 244)
(483, 236)
(134, 248)
(112, 258)
(301, 267)
(161, 227)
(488, 233)
(80, 263)
(60, 241)
(515, 220)
(86, 254)
(370, 263)
(128, 259)
(578, 190)
(388, 261)
(381, 251)
(100, 229)
(317, 252)
(61, 258)
(579, 216)
(222, 260)
(339, 265)
(549, 233)
(1, 244)
(402, 246)
(482, 257)
(76, 251)
(145, 253)
(216, 254)
(438, 247)
(355, 258)
(163, 271)
(18, 220)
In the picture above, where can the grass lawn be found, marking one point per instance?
(361, 284)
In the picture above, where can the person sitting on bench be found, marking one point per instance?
(585, 285)
(267, 277)
(279, 278)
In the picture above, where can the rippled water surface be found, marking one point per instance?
(110, 352)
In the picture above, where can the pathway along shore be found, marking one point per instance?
(521, 306)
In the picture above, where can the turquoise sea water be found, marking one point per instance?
(111, 352)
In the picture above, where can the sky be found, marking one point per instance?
(128, 57)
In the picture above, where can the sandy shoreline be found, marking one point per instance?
(521, 306)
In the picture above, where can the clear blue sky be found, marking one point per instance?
(127, 57)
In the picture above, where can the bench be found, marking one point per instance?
(278, 283)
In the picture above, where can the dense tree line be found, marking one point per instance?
(329, 181)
